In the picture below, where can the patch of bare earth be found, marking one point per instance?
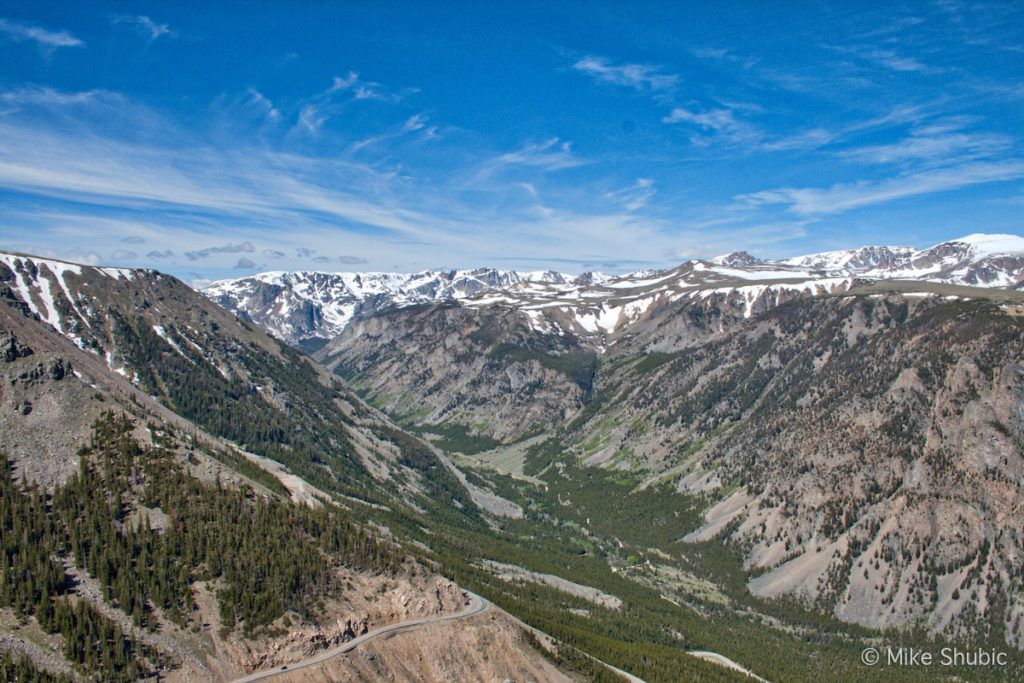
(487, 647)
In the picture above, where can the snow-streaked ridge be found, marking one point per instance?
(303, 305)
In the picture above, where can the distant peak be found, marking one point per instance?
(983, 243)
(737, 259)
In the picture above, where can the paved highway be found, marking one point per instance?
(476, 606)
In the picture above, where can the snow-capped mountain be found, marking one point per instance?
(975, 260)
(854, 261)
(310, 307)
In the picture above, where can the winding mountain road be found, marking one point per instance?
(476, 606)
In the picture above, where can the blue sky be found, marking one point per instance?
(213, 139)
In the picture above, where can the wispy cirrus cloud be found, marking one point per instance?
(43, 38)
(812, 138)
(807, 139)
(842, 197)
(923, 146)
(635, 196)
(171, 190)
(416, 125)
(311, 119)
(722, 123)
(553, 154)
(264, 189)
(145, 26)
(253, 182)
(48, 97)
(263, 105)
(320, 108)
(415, 122)
(184, 194)
(362, 89)
(887, 58)
(639, 77)
(724, 54)
(895, 61)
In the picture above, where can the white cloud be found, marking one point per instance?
(48, 97)
(72, 254)
(808, 139)
(242, 247)
(886, 58)
(894, 61)
(725, 55)
(897, 116)
(347, 260)
(49, 40)
(318, 109)
(361, 90)
(262, 103)
(339, 83)
(311, 119)
(414, 122)
(636, 196)
(922, 145)
(721, 122)
(146, 26)
(246, 193)
(553, 154)
(813, 201)
(640, 77)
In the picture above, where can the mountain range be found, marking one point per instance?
(672, 376)
(771, 464)
(307, 308)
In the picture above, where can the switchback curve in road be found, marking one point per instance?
(476, 606)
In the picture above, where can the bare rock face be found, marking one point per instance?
(369, 601)
(866, 450)
(873, 447)
(45, 411)
(488, 647)
(13, 349)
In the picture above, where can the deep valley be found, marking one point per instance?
(781, 468)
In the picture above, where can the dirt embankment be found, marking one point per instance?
(487, 647)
